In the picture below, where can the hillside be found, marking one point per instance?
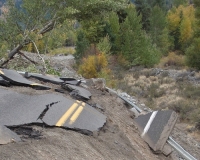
(118, 139)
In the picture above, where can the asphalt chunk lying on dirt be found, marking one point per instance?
(71, 81)
(74, 82)
(4, 82)
(74, 114)
(7, 136)
(156, 127)
(15, 78)
(77, 92)
(45, 78)
(51, 109)
(67, 79)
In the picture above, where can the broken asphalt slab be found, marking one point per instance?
(7, 136)
(71, 81)
(15, 78)
(76, 114)
(3, 82)
(155, 127)
(51, 109)
(50, 78)
(77, 91)
(45, 78)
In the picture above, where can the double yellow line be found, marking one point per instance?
(70, 111)
(1, 72)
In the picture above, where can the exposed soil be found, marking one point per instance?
(118, 139)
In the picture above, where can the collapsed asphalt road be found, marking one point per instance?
(118, 134)
(51, 109)
(18, 109)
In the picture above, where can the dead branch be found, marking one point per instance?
(19, 52)
(40, 56)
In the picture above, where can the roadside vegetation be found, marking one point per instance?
(108, 38)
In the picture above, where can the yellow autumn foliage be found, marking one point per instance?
(182, 18)
(40, 45)
(186, 30)
(93, 65)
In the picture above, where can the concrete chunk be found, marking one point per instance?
(155, 127)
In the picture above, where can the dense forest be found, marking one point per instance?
(140, 32)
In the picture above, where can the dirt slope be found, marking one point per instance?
(118, 139)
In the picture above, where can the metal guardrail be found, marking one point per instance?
(179, 149)
(170, 140)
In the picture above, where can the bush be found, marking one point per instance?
(40, 46)
(82, 45)
(3, 49)
(154, 91)
(172, 60)
(92, 65)
(183, 108)
(192, 54)
(104, 45)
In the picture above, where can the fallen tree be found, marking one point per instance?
(27, 23)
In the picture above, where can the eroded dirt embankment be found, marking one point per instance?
(118, 139)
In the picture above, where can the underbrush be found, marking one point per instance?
(63, 51)
(162, 92)
(173, 59)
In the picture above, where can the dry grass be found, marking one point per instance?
(163, 92)
(63, 50)
(172, 60)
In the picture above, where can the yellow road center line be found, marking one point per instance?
(35, 84)
(1, 72)
(76, 114)
(63, 119)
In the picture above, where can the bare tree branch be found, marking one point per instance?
(40, 56)
(27, 58)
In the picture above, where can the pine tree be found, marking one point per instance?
(137, 46)
(158, 31)
(192, 53)
(81, 45)
(143, 9)
(114, 32)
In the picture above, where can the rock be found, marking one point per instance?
(99, 83)
(67, 73)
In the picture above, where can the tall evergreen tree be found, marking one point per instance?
(160, 3)
(137, 46)
(143, 9)
(177, 3)
(192, 53)
(158, 30)
(114, 32)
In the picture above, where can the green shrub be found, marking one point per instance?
(192, 54)
(154, 91)
(104, 45)
(82, 45)
(184, 108)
